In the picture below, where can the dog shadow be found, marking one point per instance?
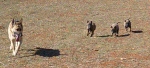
(41, 52)
(47, 52)
(104, 36)
(124, 35)
(137, 31)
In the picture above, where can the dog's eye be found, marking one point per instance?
(18, 29)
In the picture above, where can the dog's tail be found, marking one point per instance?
(118, 22)
(129, 18)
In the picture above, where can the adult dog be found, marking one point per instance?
(90, 28)
(15, 30)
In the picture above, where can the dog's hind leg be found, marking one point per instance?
(92, 34)
(112, 34)
(126, 29)
(130, 28)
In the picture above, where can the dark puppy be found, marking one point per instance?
(91, 28)
(115, 29)
(127, 24)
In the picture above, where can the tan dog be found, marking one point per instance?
(15, 30)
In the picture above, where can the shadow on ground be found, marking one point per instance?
(104, 36)
(47, 52)
(41, 52)
(124, 35)
(137, 31)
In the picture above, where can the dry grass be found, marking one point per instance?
(54, 34)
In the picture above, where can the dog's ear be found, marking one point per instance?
(118, 22)
(21, 20)
(13, 22)
(91, 22)
(110, 26)
(128, 18)
(87, 21)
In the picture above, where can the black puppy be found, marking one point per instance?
(127, 24)
(90, 28)
(115, 29)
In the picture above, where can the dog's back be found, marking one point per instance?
(93, 26)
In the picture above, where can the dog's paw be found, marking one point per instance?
(14, 54)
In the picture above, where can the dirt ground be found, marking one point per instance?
(54, 34)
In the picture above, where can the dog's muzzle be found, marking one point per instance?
(19, 29)
(17, 36)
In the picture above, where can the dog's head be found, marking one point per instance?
(89, 24)
(17, 25)
(114, 27)
(17, 28)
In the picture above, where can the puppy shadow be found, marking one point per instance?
(137, 31)
(47, 52)
(104, 36)
(124, 35)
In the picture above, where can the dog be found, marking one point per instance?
(15, 30)
(127, 24)
(115, 29)
(90, 28)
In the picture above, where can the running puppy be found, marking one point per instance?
(115, 29)
(15, 30)
(127, 24)
(91, 28)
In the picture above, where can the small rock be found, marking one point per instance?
(122, 58)
(96, 50)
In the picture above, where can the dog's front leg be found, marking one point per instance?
(17, 47)
(88, 32)
(13, 46)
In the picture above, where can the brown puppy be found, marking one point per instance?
(115, 29)
(15, 30)
(90, 28)
(127, 24)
